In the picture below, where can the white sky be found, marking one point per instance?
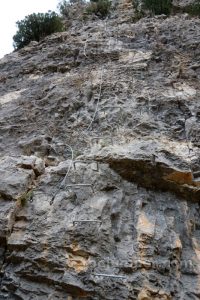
(12, 11)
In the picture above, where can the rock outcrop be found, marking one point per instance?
(100, 162)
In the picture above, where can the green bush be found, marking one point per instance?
(35, 27)
(158, 7)
(138, 12)
(100, 8)
(63, 7)
(194, 8)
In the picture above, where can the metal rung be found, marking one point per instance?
(120, 107)
(102, 138)
(196, 180)
(81, 185)
(85, 162)
(87, 221)
(193, 156)
(110, 275)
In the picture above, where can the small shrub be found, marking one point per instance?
(64, 7)
(100, 8)
(158, 7)
(24, 198)
(193, 9)
(35, 27)
(138, 11)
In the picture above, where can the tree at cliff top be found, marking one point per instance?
(158, 7)
(35, 27)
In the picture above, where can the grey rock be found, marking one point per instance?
(100, 161)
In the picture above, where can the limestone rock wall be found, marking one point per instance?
(100, 153)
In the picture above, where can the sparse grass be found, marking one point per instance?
(157, 7)
(151, 7)
(100, 8)
(25, 197)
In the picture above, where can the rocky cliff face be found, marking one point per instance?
(100, 162)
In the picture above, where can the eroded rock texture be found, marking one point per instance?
(100, 162)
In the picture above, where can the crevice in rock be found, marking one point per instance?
(3, 242)
(5, 196)
(157, 176)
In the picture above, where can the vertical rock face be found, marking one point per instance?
(100, 162)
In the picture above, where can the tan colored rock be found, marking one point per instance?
(121, 97)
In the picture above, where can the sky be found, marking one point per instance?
(12, 11)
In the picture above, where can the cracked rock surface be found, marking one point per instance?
(100, 162)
